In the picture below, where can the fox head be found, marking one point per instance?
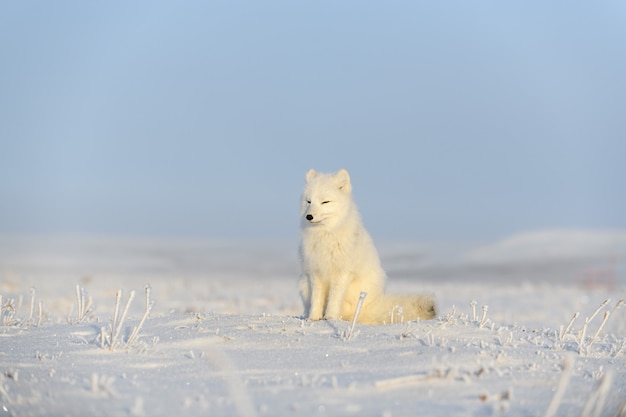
(326, 199)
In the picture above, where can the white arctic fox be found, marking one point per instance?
(339, 260)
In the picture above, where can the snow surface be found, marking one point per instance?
(224, 336)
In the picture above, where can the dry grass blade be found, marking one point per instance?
(120, 324)
(593, 339)
(561, 387)
(600, 307)
(569, 326)
(135, 332)
(597, 398)
(116, 310)
(359, 305)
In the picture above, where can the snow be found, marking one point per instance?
(224, 336)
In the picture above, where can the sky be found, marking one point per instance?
(456, 120)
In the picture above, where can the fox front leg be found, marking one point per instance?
(319, 291)
(336, 296)
(305, 295)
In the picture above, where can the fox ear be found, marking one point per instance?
(342, 179)
(311, 174)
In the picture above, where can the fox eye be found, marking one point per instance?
(308, 201)
(325, 202)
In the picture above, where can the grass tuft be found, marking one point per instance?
(113, 338)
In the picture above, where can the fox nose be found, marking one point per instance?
(309, 217)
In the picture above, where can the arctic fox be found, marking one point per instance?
(339, 260)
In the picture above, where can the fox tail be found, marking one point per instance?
(390, 308)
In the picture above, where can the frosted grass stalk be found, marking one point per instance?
(133, 336)
(39, 313)
(135, 332)
(20, 300)
(102, 337)
(356, 314)
(118, 296)
(600, 307)
(148, 289)
(400, 381)
(79, 303)
(9, 312)
(483, 320)
(617, 305)
(569, 326)
(597, 398)
(86, 306)
(473, 305)
(121, 322)
(236, 387)
(593, 339)
(561, 387)
(397, 314)
(581, 342)
(32, 305)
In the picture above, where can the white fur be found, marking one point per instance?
(339, 259)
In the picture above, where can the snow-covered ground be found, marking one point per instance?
(223, 335)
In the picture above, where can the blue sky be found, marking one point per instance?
(457, 120)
